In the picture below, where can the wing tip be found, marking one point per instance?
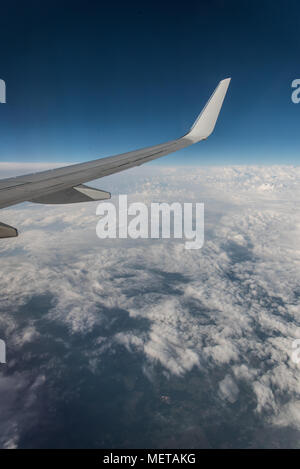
(206, 121)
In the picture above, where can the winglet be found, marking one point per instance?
(206, 121)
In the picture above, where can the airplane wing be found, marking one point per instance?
(65, 185)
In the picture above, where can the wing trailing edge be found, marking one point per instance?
(7, 231)
(73, 195)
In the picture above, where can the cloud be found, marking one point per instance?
(229, 311)
(18, 395)
(289, 415)
(228, 389)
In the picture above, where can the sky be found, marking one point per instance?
(86, 80)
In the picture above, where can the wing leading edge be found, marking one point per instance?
(64, 185)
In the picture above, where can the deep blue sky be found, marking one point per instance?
(86, 80)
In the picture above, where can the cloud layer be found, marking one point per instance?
(222, 318)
